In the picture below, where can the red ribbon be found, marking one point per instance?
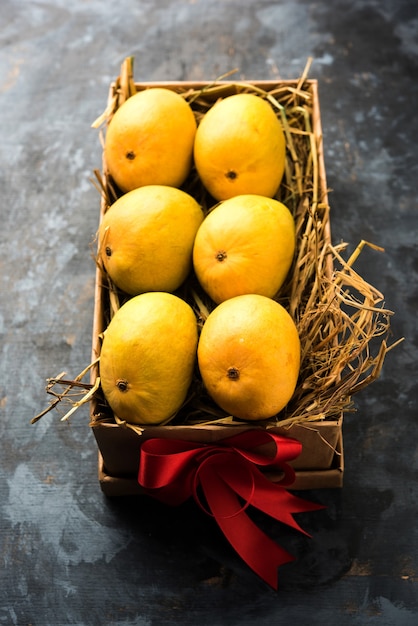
(228, 475)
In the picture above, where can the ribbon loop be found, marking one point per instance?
(220, 464)
(228, 476)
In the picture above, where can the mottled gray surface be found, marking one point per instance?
(68, 555)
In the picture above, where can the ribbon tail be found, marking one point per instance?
(270, 498)
(258, 551)
(276, 501)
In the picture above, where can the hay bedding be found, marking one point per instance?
(341, 318)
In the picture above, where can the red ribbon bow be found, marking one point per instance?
(229, 477)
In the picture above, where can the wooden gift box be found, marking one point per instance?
(320, 464)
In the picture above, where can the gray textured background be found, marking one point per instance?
(68, 555)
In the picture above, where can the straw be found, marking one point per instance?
(341, 319)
